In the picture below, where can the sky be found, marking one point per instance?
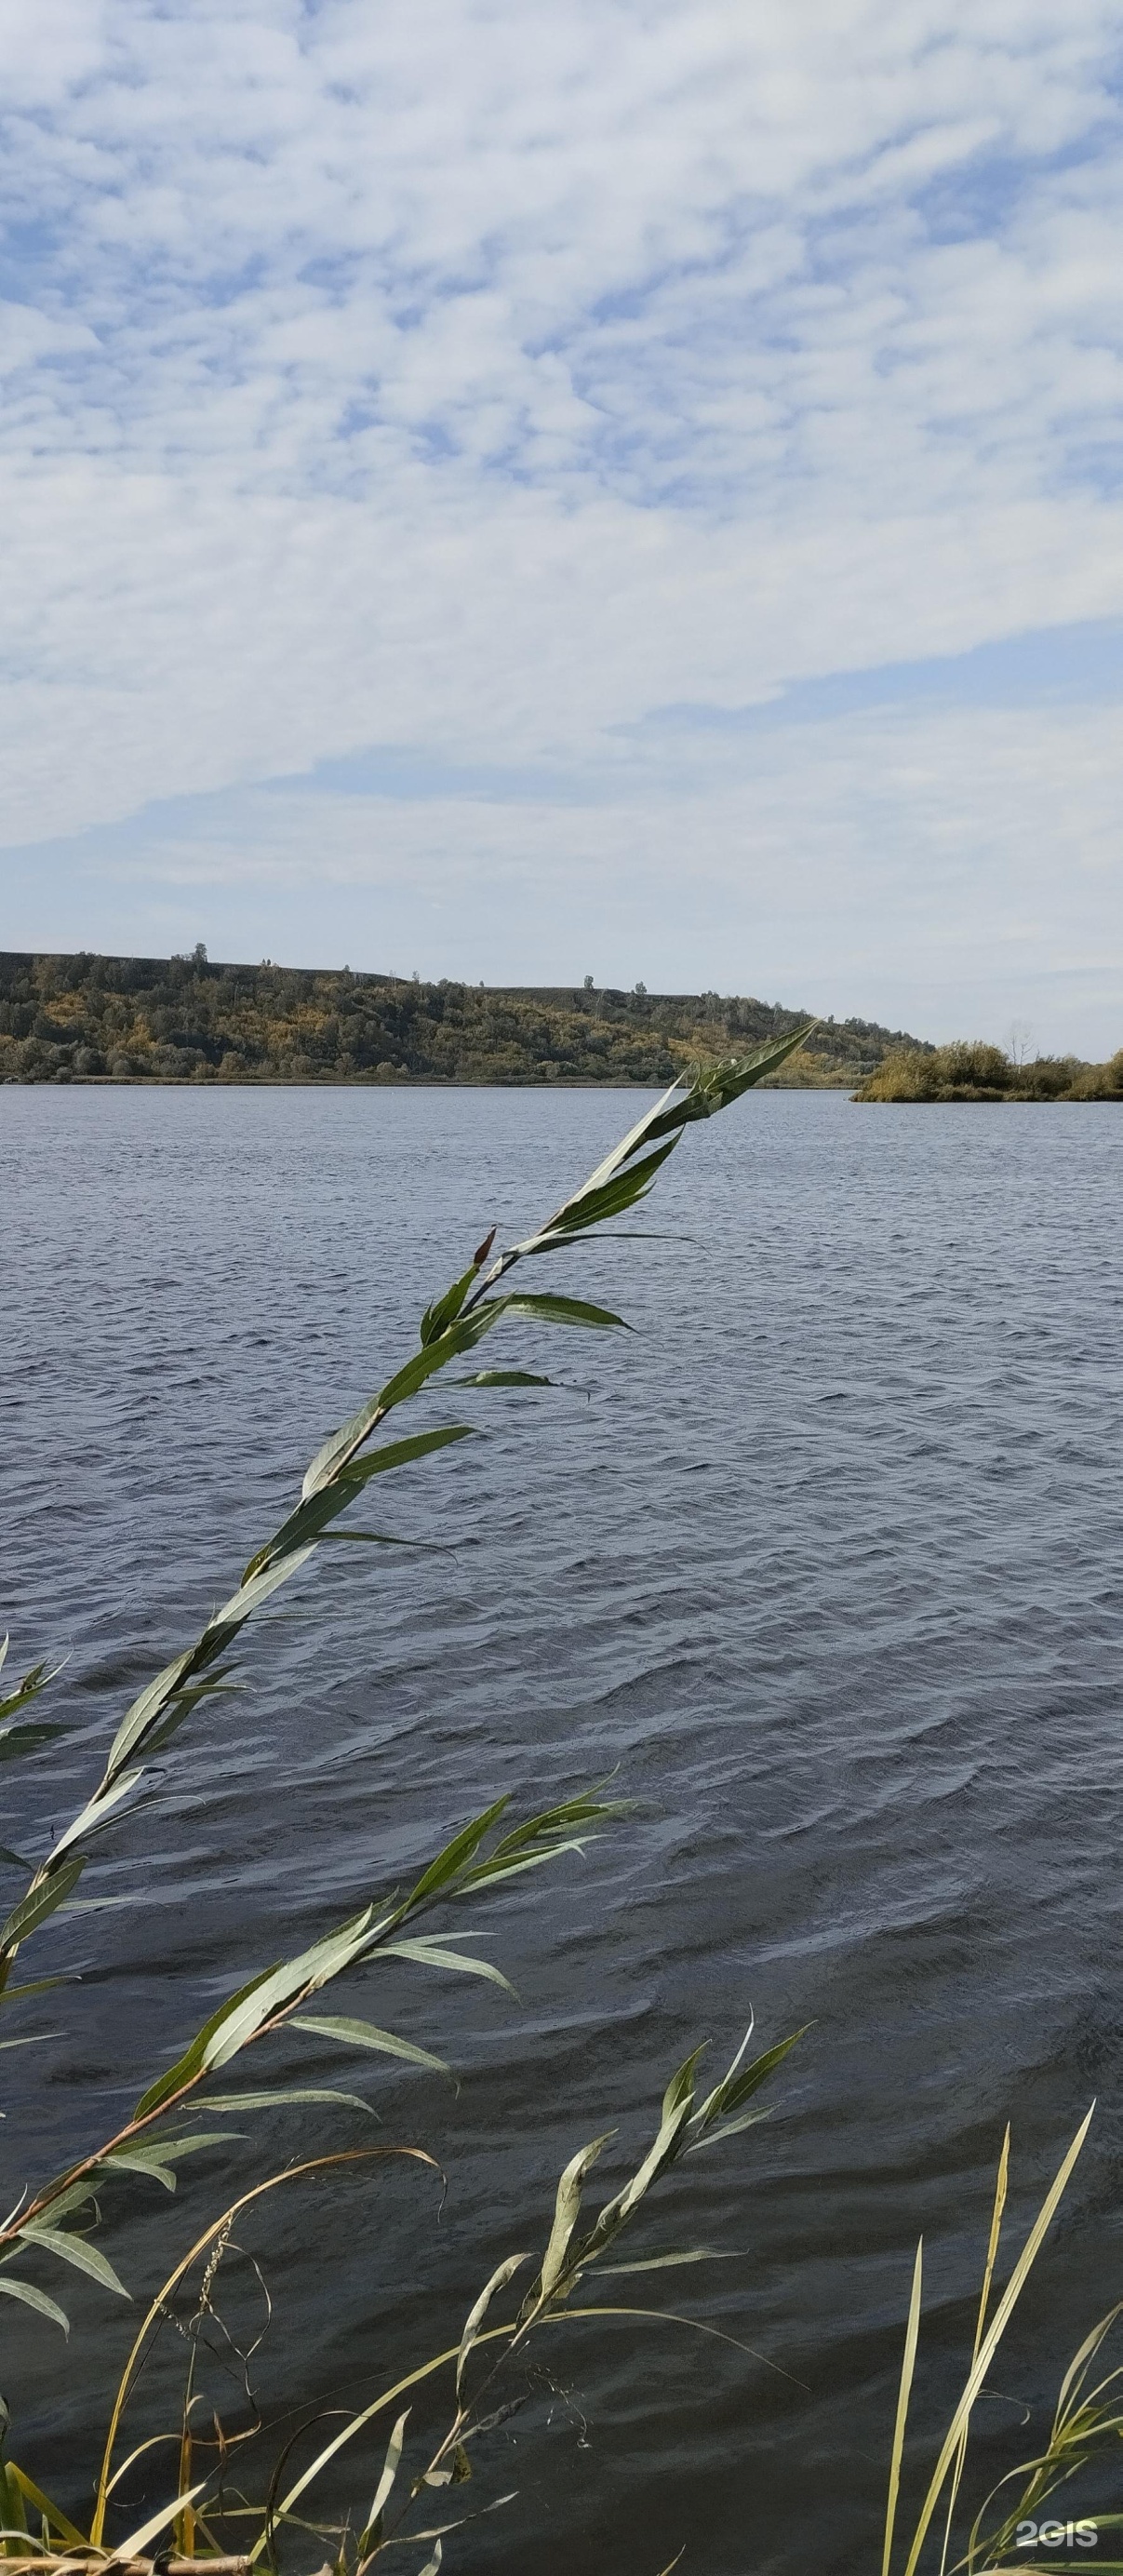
(629, 487)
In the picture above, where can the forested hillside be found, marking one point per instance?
(184, 1019)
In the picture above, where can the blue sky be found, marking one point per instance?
(628, 488)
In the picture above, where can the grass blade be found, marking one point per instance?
(908, 2365)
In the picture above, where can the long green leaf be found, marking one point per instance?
(76, 2250)
(456, 1854)
(160, 2158)
(565, 1310)
(96, 1813)
(191, 2061)
(567, 2209)
(502, 1377)
(381, 2497)
(312, 1515)
(739, 2087)
(41, 1901)
(431, 1954)
(503, 2273)
(284, 2093)
(311, 1968)
(33, 2298)
(365, 2034)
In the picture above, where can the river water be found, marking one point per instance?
(822, 1562)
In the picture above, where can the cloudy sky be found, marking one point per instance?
(525, 488)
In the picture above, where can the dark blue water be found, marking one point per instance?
(823, 1563)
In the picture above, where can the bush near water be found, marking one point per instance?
(186, 1019)
(972, 1070)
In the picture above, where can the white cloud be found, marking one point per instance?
(483, 378)
(904, 863)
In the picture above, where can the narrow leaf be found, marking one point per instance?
(158, 2522)
(159, 2160)
(312, 1967)
(329, 1500)
(460, 1850)
(301, 2093)
(33, 2298)
(729, 2129)
(382, 2491)
(661, 2262)
(76, 2250)
(38, 1986)
(736, 2088)
(365, 2034)
(445, 1310)
(34, 2495)
(255, 1588)
(566, 1310)
(151, 1701)
(191, 2061)
(41, 1901)
(430, 1955)
(475, 2317)
(908, 2364)
(567, 2207)
(502, 1377)
(96, 1813)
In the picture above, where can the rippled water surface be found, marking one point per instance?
(823, 1562)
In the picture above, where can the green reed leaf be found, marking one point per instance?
(455, 1854)
(159, 2159)
(662, 2262)
(190, 2064)
(432, 1954)
(373, 2527)
(739, 2085)
(283, 2093)
(729, 2129)
(38, 1986)
(564, 1310)
(33, 2298)
(312, 1968)
(589, 1206)
(444, 1310)
(567, 2210)
(96, 1813)
(34, 2495)
(148, 1705)
(365, 2034)
(41, 1901)
(76, 2250)
(328, 1501)
(503, 2273)
(502, 1377)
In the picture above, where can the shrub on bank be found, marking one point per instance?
(970, 1069)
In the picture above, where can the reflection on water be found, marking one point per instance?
(824, 1562)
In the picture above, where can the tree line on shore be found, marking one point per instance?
(85, 1018)
(971, 1069)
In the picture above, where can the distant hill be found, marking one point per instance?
(185, 1019)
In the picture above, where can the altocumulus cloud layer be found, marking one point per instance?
(612, 485)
